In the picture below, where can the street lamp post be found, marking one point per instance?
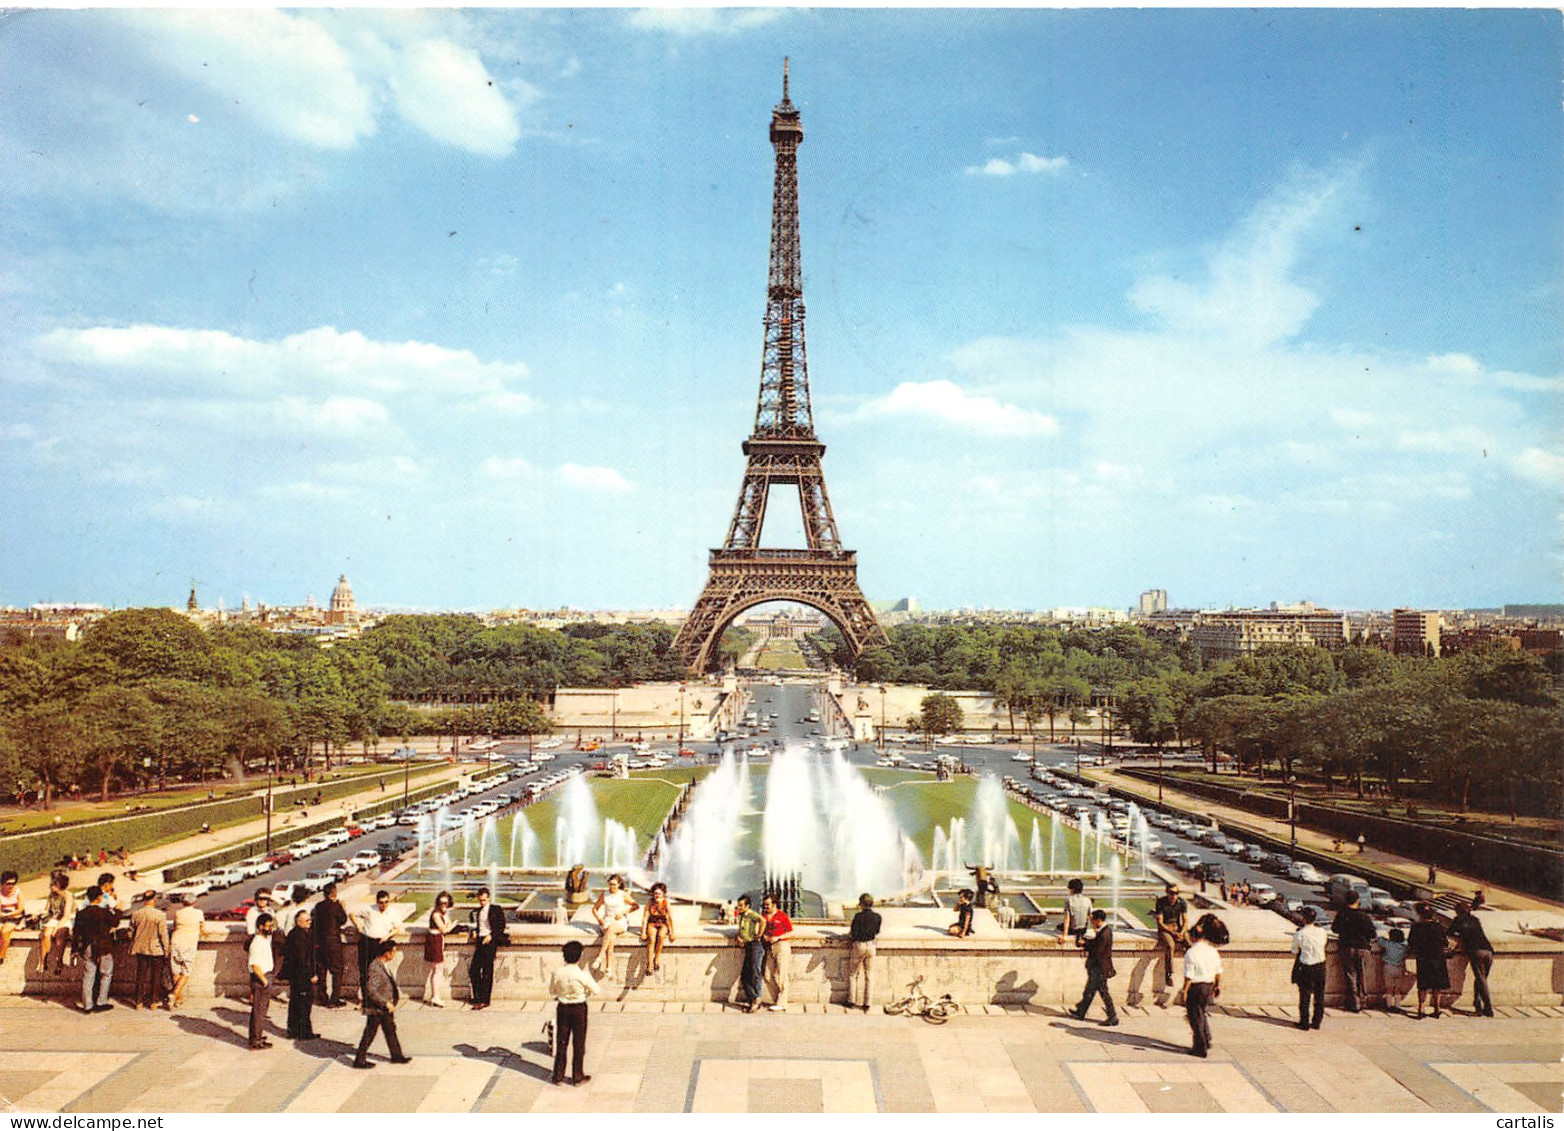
(1292, 808)
(268, 804)
(681, 717)
(1159, 774)
(882, 718)
(407, 770)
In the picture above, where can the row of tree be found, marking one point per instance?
(1483, 725)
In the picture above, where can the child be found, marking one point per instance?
(1393, 967)
(570, 986)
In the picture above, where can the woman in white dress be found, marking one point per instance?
(612, 912)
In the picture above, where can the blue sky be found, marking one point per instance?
(467, 304)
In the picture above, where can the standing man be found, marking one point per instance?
(1077, 911)
(779, 949)
(375, 925)
(329, 919)
(261, 966)
(1473, 942)
(149, 943)
(1355, 934)
(488, 935)
(1097, 941)
(1203, 978)
(864, 930)
(183, 943)
(751, 937)
(570, 986)
(260, 905)
(106, 885)
(1172, 915)
(1362, 840)
(1308, 951)
(380, 997)
(10, 910)
(92, 937)
(302, 971)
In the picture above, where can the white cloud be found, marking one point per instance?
(1021, 163)
(604, 480)
(324, 82)
(446, 92)
(948, 403)
(1540, 466)
(174, 359)
(1249, 294)
(703, 21)
(599, 479)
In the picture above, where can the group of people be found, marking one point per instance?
(1429, 945)
(1236, 893)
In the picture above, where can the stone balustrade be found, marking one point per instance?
(996, 966)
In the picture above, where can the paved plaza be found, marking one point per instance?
(652, 1057)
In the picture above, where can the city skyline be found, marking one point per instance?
(467, 305)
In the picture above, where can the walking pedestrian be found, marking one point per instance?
(1472, 940)
(1203, 978)
(1097, 942)
(750, 937)
(1077, 911)
(1308, 969)
(149, 945)
(261, 967)
(1355, 934)
(54, 933)
(183, 942)
(92, 940)
(329, 919)
(570, 987)
(779, 949)
(437, 982)
(1433, 875)
(489, 934)
(612, 911)
(862, 933)
(375, 925)
(379, 998)
(656, 926)
(302, 973)
(1362, 841)
(1426, 944)
(1172, 914)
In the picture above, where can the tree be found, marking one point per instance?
(939, 714)
(120, 726)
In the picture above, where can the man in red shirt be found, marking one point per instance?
(779, 950)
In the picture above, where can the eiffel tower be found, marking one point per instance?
(783, 449)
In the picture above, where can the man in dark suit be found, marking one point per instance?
(488, 935)
(380, 997)
(1355, 934)
(1097, 942)
(301, 971)
(330, 917)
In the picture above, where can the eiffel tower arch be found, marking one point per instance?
(783, 450)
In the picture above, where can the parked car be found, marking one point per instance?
(1381, 902)
(1254, 854)
(1212, 872)
(1304, 872)
(1193, 862)
(278, 859)
(1261, 894)
(317, 881)
(366, 858)
(255, 866)
(1277, 862)
(1234, 847)
(340, 870)
(221, 878)
(1340, 884)
(283, 893)
(189, 889)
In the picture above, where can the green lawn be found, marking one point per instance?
(639, 803)
(777, 654)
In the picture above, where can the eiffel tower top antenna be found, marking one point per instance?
(784, 78)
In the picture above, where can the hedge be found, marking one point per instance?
(34, 853)
(233, 853)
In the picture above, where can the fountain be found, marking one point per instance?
(1034, 854)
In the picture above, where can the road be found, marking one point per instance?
(791, 703)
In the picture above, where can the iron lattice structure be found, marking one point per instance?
(782, 450)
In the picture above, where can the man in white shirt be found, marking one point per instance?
(375, 925)
(571, 986)
(1308, 948)
(1203, 978)
(261, 966)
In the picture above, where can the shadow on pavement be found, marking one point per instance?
(504, 1057)
(1106, 1036)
